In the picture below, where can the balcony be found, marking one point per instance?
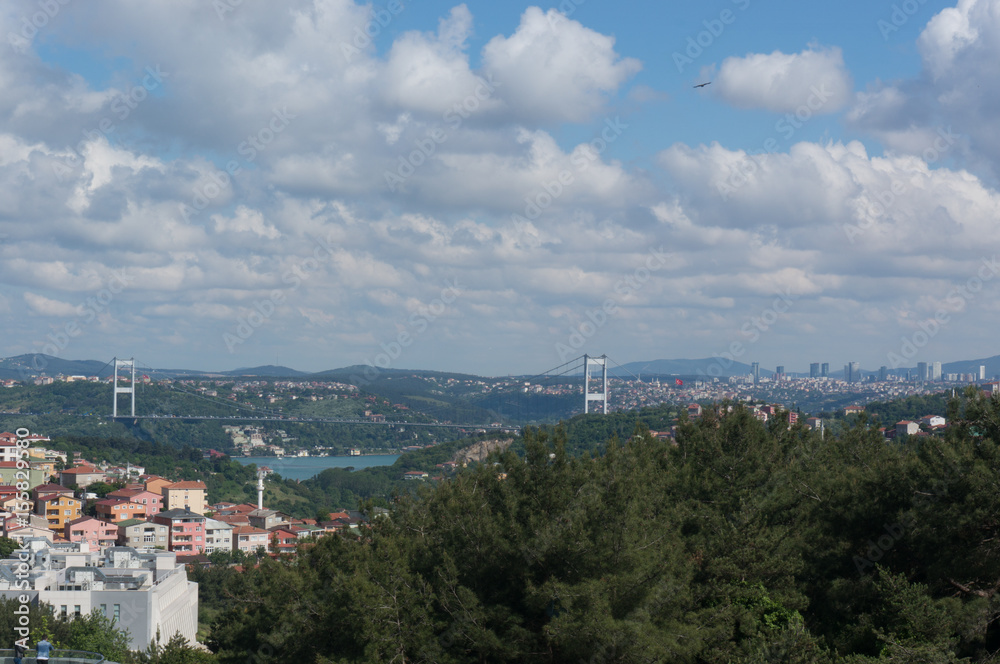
(58, 656)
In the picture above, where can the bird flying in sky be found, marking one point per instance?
(701, 85)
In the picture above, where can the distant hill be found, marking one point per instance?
(992, 365)
(713, 367)
(34, 364)
(267, 370)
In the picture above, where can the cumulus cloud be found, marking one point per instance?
(783, 82)
(554, 69)
(212, 209)
(960, 51)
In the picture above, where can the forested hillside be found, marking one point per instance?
(745, 542)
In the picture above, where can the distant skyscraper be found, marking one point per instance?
(814, 370)
(982, 372)
(883, 373)
(855, 369)
(755, 368)
(780, 372)
(936, 371)
(922, 371)
(824, 370)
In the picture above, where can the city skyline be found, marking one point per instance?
(495, 189)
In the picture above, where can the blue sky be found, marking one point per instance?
(494, 188)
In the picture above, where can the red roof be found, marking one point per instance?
(83, 470)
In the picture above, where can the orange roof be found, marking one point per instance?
(186, 485)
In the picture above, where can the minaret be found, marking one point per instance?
(260, 489)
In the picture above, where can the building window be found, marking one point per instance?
(118, 612)
(104, 610)
(62, 610)
(76, 610)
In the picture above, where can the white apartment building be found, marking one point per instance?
(141, 592)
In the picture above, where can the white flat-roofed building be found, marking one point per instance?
(142, 592)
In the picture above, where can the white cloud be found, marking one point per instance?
(43, 306)
(779, 82)
(554, 69)
(954, 94)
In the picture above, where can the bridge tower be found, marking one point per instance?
(124, 364)
(602, 396)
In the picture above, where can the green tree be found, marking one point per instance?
(7, 546)
(97, 633)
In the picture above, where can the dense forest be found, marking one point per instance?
(744, 542)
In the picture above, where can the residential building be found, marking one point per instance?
(151, 502)
(824, 370)
(266, 519)
(906, 428)
(218, 536)
(144, 593)
(34, 529)
(117, 510)
(81, 476)
(932, 421)
(249, 539)
(43, 489)
(98, 534)
(139, 534)
(9, 449)
(282, 540)
(187, 530)
(185, 495)
(11, 474)
(58, 509)
(155, 483)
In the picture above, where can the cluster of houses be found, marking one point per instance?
(148, 512)
(764, 413)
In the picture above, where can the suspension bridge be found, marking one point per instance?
(594, 377)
